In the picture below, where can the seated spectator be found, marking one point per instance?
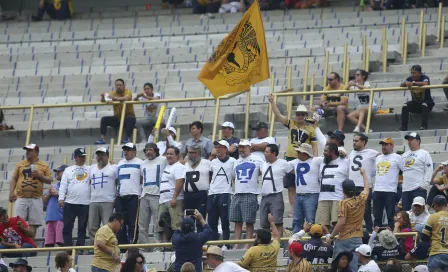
(421, 252)
(365, 259)
(421, 102)
(170, 136)
(388, 247)
(393, 265)
(419, 213)
(134, 263)
(121, 94)
(259, 144)
(64, 262)
(403, 224)
(147, 123)
(206, 8)
(196, 130)
(215, 260)
(15, 233)
(340, 263)
(315, 250)
(21, 265)
(56, 10)
(232, 6)
(440, 183)
(298, 263)
(188, 267)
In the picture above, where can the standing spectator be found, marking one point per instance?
(388, 166)
(54, 217)
(64, 262)
(440, 183)
(259, 144)
(445, 90)
(228, 128)
(28, 180)
(418, 215)
(74, 198)
(361, 157)
(15, 234)
(134, 263)
(244, 205)
(171, 190)
(188, 244)
(315, 251)
(196, 130)
(340, 263)
(106, 252)
(215, 260)
(128, 193)
(220, 190)
(151, 171)
(421, 102)
(103, 176)
(21, 265)
(336, 137)
(262, 256)
(298, 263)
(56, 10)
(388, 248)
(350, 218)
(273, 171)
(121, 94)
(170, 140)
(232, 6)
(417, 171)
(333, 171)
(364, 253)
(150, 120)
(197, 182)
(403, 224)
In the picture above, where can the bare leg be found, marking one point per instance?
(341, 117)
(238, 231)
(292, 197)
(362, 114)
(249, 232)
(353, 117)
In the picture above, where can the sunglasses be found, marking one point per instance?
(300, 114)
(140, 263)
(330, 79)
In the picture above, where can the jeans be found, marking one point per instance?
(208, 8)
(145, 124)
(368, 209)
(96, 269)
(71, 211)
(18, 255)
(348, 245)
(408, 197)
(381, 201)
(196, 200)
(112, 121)
(305, 206)
(128, 206)
(218, 208)
(439, 261)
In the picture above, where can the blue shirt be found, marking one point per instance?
(232, 141)
(54, 213)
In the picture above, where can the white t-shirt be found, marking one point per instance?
(197, 179)
(387, 168)
(129, 177)
(332, 175)
(171, 173)
(103, 187)
(151, 171)
(246, 174)
(268, 140)
(362, 159)
(222, 176)
(363, 98)
(369, 267)
(272, 176)
(421, 219)
(75, 185)
(307, 175)
(417, 170)
(156, 95)
(163, 144)
(229, 267)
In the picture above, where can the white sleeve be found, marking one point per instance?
(367, 85)
(64, 186)
(321, 138)
(171, 141)
(287, 167)
(179, 172)
(271, 140)
(296, 236)
(150, 139)
(400, 162)
(428, 168)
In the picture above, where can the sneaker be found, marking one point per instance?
(210, 16)
(158, 249)
(356, 129)
(100, 142)
(402, 129)
(125, 141)
(370, 130)
(423, 128)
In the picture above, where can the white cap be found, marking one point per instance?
(301, 108)
(173, 130)
(364, 250)
(129, 145)
(222, 142)
(421, 268)
(228, 124)
(102, 149)
(305, 148)
(445, 163)
(244, 142)
(30, 147)
(420, 201)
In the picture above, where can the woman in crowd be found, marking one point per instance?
(64, 262)
(403, 224)
(340, 264)
(134, 263)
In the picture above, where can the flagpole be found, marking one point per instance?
(218, 103)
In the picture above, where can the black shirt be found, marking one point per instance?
(419, 96)
(316, 251)
(382, 254)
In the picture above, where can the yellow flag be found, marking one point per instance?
(241, 59)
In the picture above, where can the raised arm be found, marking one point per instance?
(283, 119)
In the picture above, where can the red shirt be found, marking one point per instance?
(12, 234)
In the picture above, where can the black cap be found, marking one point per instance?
(80, 152)
(412, 135)
(349, 187)
(2, 210)
(336, 134)
(61, 168)
(440, 200)
(187, 225)
(21, 262)
(261, 125)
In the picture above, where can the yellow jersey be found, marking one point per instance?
(302, 266)
(101, 259)
(297, 135)
(119, 107)
(437, 228)
(353, 210)
(261, 258)
(334, 97)
(27, 186)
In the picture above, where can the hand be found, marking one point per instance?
(271, 218)
(53, 192)
(440, 168)
(397, 224)
(41, 3)
(198, 215)
(307, 227)
(362, 171)
(12, 197)
(342, 154)
(352, 83)
(113, 98)
(17, 246)
(213, 154)
(329, 240)
(165, 132)
(376, 229)
(35, 174)
(173, 203)
(20, 224)
(271, 98)
(409, 84)
(325, 104)
(61, 203)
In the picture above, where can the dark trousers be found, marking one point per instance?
(368, 209)
(112, 121)
(218, 207)
(433, 193)
(198, 201)
(71, 211)
(381, 201)
(445, 90)
(415, 107)
(209, 8)
(408, 197)
(62, 14)
(128, 206)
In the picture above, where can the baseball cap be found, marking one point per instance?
(187, 225)
(421, 268)
(364, 250)
(60, 168)
(387, 140)
(222, 142)
(2, 210)
(296, 248)
(244, 142)
(261, 125)
(102, 150)
(129, 146)
(445, 163)
(305, 148)
(412, 135)
(228, 124)
(20, 262)
(214, 250)
(31, 147)
(336, 134)
(420, 201)
(439, 200)
(80, 152)
(316, 230)
(348, 186)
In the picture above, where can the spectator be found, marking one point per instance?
(361, 157)
(298, 263)
(377, 4)
(334, 103)
(307, 184)
(205, 8)
(28, 181)
(340, 263)
(421, 99)
(171, 190)
(358, 116)
(421, 268)
(218, 202)
(54, 216)
(315, 250)
(262, 256)
(388, 248)
(64, 262)
(121, 94)
(134, 263)
(336, 137)
(149, 122)
(420, 252)
(445, 90)
(364, 253)
(56, 10)
(215, 260)
(334, 170)
(393, 265)
(435, 232)
(244, 205)
(388, 166)
(188, 267)
(188, 244)
(196, 130)
(151, 171)
(74, 198)
(350, 218)
(259, 144)
(403, 224)
(418, 215)
(106, 252)
(228, 128)
(232, 6)
(21, 265)
(440, 183)
(15, 234)
(128, 193)
(170, 140)
(417, 171)
(197, 182)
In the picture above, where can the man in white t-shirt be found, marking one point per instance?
(215, 260)
(244, 203)
(259, 144)
(220, 190)
(103, 190)
(333, 171)
(128, 194)
(273, 172)
(361, 157)
(365, 259)
(307, 186)
(419, 214)
(417, 171)
(388, 166)
(151, 171)
(150, 119)
(170, 140)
